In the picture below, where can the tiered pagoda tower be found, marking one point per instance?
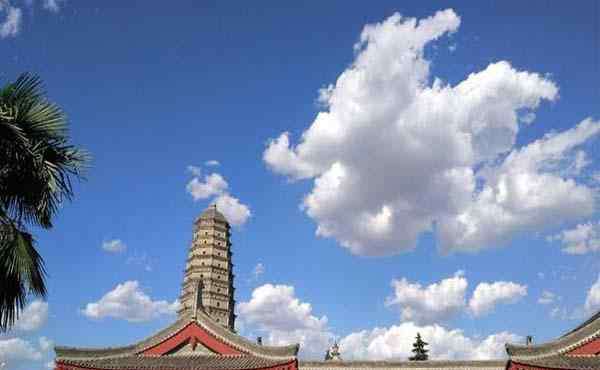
(202, 337)
(208, 279)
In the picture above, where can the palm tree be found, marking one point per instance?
(36, 166)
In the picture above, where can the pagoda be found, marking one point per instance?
(203, 335)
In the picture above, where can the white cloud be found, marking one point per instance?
(377, 182)
(258, 270)
(527, 118)
(584, 238)
(525, 192)
(195, 171)
(52, 5)
(12, 23)
(547, 297)
(114, 246)
(33, 316)
(45, 344)
(446, 299)
(234, 211)
(487, 295)
(214, 185)
(396, 341)
(127, 301)
(140, 259)
(212, 163)
(16, 350)
(436, 302)
(592, 301)
(277, 312)
(590, 306)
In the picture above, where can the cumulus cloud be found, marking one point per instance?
(592, 300)
(11, 25)
(525, 192)
(212, 163)
(487, 295)
(435, 302)
(584, 238)
(214, 185)
(236, 212)
(396, 341)
(16, 350)
(45, 344)
(140, 259)
(276, 311)
(446, 299)
(52, 5)
(33, 316)
(590, 306)
(195, 171)
(114, 246)
(547, 297)
(391, 154)
(128, 302)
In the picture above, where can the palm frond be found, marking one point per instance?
(22, 272)
(37, 165)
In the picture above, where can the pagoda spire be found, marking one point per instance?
(208, 279)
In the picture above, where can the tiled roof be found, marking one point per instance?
(204, 362)
(565, 362)
(574, 338)
(554, 354)
(203, 320)
(73, 352)
(400, 365)
(244, 344)
(212, 213)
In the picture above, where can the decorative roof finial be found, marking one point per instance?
(333, 353)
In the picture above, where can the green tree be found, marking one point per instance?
(36, 166)
(420, 353)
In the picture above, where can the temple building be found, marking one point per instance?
(203, 336)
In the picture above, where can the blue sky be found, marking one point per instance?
(152, 89)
